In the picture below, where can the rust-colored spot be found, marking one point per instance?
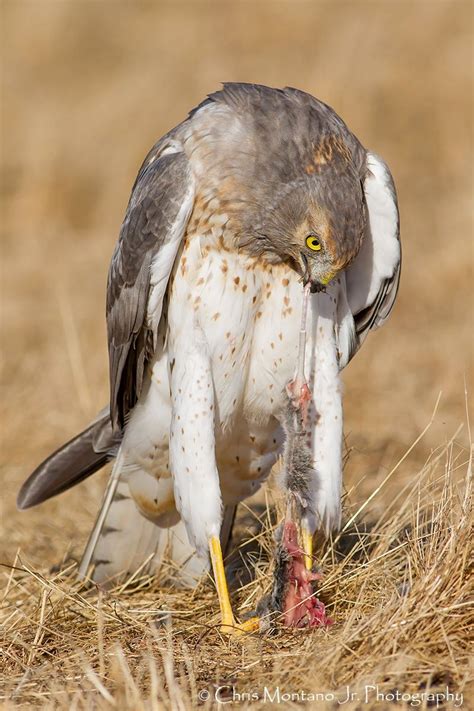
(254, 299)
(259, 313)
(224, 267)
(285, 282)
(286, 300)
(244, 287)
(323, 152)
(200, 281)
(320, 159)
(237, 280)
(154, 507)
(216, 316)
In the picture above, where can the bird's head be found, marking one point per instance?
(324, 225)
(315, 225)
(314, 250)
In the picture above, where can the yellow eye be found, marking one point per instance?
(313, 243)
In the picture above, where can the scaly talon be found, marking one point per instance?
(252, 624)
(239, 628)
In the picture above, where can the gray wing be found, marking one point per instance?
(76, 460)
(372, 279)
(154, 225)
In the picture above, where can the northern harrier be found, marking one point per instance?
(256, 191)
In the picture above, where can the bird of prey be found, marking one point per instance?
(258, 192)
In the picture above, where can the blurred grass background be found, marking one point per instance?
(87, 88)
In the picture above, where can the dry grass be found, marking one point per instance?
(399, 591)
(87, 88)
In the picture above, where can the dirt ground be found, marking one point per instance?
(88, 87)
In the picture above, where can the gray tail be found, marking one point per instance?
(67, 466)
(124, 543)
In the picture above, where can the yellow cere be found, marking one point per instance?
(313, 243)
(327, 278)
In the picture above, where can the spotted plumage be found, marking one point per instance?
(203, 305)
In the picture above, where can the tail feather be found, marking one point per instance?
(124, 541)
(70, 464)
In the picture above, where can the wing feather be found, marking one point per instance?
(155, 222)
(372, 279)
(83, 455)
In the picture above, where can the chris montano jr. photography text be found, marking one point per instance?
(277, 695)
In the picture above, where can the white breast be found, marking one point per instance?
(249, 315)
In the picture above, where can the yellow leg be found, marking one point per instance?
(228, 624)
(217, 561)
(307, 537)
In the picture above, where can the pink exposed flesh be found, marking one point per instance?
(300, 401)
(300, 608)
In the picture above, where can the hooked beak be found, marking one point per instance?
(316, 286)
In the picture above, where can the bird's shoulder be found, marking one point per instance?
(277, 133)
